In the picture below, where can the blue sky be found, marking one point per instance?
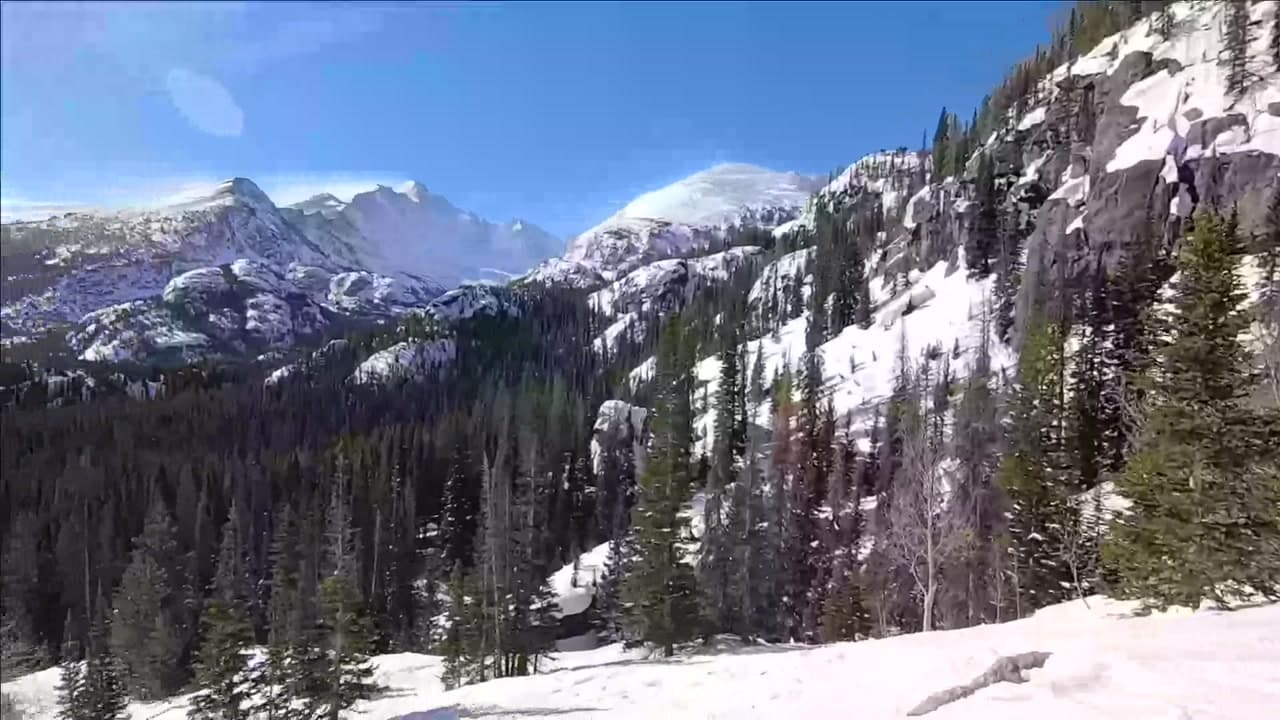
(556, 113)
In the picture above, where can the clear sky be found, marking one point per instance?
(555, 113)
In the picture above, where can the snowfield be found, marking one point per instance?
(1105, 663)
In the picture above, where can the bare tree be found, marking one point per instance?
(920, 536)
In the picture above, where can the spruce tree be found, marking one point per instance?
(1033, 472)
(91, 689)
(980, 243)
(72, 703)
(227, 686)
(339, 674)
(660, 591)
(721, 606)
(1236, 36)
(151, 623)
(1203, 481)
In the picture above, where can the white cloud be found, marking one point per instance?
(205, 103)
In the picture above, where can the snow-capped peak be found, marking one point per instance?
(686, 217)
(415, 190)
(719, 194)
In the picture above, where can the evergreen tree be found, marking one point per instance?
(227, 686)
(941, 168)
(72, 703)
(453, 647)
(980, 244)
(285, 613)
(974, 506)
(1203, 480)
(1033, 472)
(91, 689)
(339, 674)
(721, 606)
(1236, 36)
(151, 624)
(660, 591)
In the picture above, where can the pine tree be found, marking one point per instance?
(453, 647)
(941, 168)
(974, 505)
(20, 648)
(1033, 472)
(721, 606)
(338, 675)
(91, 689)
(1203, 480)
(285, 613)
(981, 240)
(660, 592)
(227, 686)
(151, 624)
(1236, 36)
(72, 703)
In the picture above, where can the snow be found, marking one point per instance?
(467, 301)
(685, 218)
(1033, 118)
(1076, 224)
(611, 415)
(782, 273)
(195, 286)
(1105, 664)
(859, 364)
(404, 360)
(669, 279)
(1168, 101)
(608, 340)
(574, 588)
(642, 372)
(1074, 189)
(718, 195)
(785, 228)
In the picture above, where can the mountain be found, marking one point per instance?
(925, 379)
(413, 229)
(687, 217)
(105, 274)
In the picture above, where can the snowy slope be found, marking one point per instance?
(688, 217)
(669, 282)
(1105, 664)
(721, 195)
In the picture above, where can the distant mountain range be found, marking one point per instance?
(229, 271)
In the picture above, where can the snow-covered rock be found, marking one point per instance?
(670, 283)
(688, 217)
(782, 275)
(404, 360)
(469, 300)
(619, 425)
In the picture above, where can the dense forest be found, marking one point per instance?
(152, 542)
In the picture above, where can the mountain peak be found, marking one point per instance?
(717, 195)
(414, 189)
(240, 187)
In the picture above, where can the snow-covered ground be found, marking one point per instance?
(1105, 663)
